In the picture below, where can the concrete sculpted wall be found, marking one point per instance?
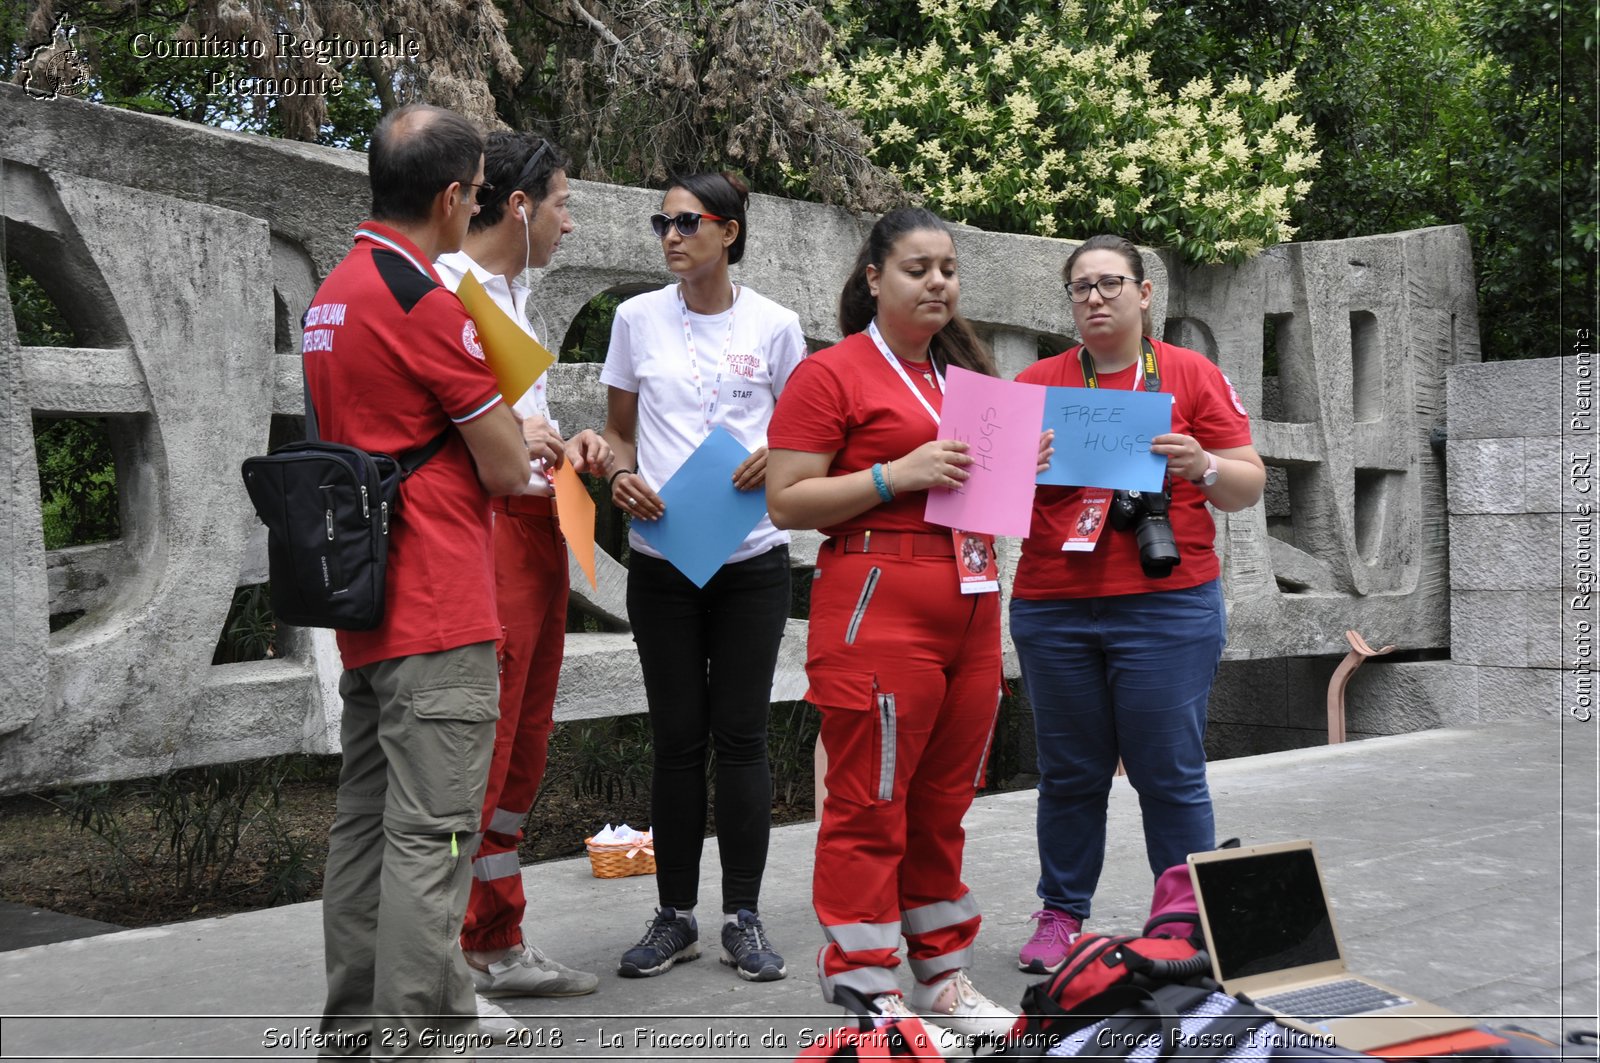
(183, 257)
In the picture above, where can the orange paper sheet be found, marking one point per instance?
(575, 512)
(515, 358)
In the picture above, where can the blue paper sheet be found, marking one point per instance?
(1103, 438)
(707, 517)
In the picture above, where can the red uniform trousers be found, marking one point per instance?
(907, 673)
(530, 561)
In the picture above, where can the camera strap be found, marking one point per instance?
(1152, 372)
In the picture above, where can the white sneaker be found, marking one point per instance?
(494, 1021)
(954, 1002)
(892, 1007)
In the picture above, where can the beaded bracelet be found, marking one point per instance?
(881, 484)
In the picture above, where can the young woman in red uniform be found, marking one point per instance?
(904, 667)
(1118, 663)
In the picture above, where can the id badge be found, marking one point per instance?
(976, 565)
(1087, 519)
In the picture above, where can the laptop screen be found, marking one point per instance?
(1266, 913)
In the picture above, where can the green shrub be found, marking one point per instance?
(1042, 117)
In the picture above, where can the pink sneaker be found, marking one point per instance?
(1046, 951)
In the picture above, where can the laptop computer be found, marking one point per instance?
(1269, 929)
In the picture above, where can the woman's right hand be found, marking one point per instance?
(632, 494)
(940, 463)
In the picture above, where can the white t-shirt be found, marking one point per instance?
(513, 299)
(649, 357)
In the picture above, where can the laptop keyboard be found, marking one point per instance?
(1332, 1000)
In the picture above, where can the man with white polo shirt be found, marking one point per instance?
(520, 225)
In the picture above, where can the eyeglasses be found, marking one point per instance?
(687, 223)
(1110, 287)
(481, 190)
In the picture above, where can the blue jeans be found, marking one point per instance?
(1119, 677)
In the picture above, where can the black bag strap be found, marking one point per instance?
(410, 461)
(311, 411)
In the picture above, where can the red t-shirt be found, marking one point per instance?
(847, 399)
(392, 360)
(1204, 406)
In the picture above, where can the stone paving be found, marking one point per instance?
(1461, 862)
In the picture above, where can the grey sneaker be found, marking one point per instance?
(746, 949)
(671, 937)
(531, 973)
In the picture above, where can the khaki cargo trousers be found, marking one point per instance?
(417, 736)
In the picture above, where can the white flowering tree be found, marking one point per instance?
(1040, 116)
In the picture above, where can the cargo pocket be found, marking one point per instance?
(449, 745)
(838, 688)
(841, 688)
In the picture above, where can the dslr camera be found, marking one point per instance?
(1146, 513)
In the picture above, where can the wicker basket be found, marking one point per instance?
(621, 859)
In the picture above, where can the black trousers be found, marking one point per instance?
(708, 655)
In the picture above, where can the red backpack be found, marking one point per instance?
(1098, 964)
(1138, 985)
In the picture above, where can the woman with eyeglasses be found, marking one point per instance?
(904, 667)
(1119, 644)
(697, 355)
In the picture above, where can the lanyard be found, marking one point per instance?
(1152, 376)
(694, 358)
(894, 363)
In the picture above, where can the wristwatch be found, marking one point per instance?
(1208, 477)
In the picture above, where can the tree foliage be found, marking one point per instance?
(246, 87)
(634, 89)
(641, 89)
(1043, 116)
(1431, 112)
(1424, 111)
(1531, 205)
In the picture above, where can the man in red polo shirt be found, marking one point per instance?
(392, 361)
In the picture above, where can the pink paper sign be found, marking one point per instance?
(1000, 421)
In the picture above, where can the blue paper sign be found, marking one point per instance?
(1103, 438)
(707, 517)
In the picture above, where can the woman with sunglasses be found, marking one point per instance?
(701, 354)
(904, 667)
(1117, 655)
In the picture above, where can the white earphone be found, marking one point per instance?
(527, 237)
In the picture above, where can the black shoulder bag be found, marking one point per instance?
(328, 508)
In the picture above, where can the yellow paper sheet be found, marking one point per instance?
(515, 358)
(575, 512)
